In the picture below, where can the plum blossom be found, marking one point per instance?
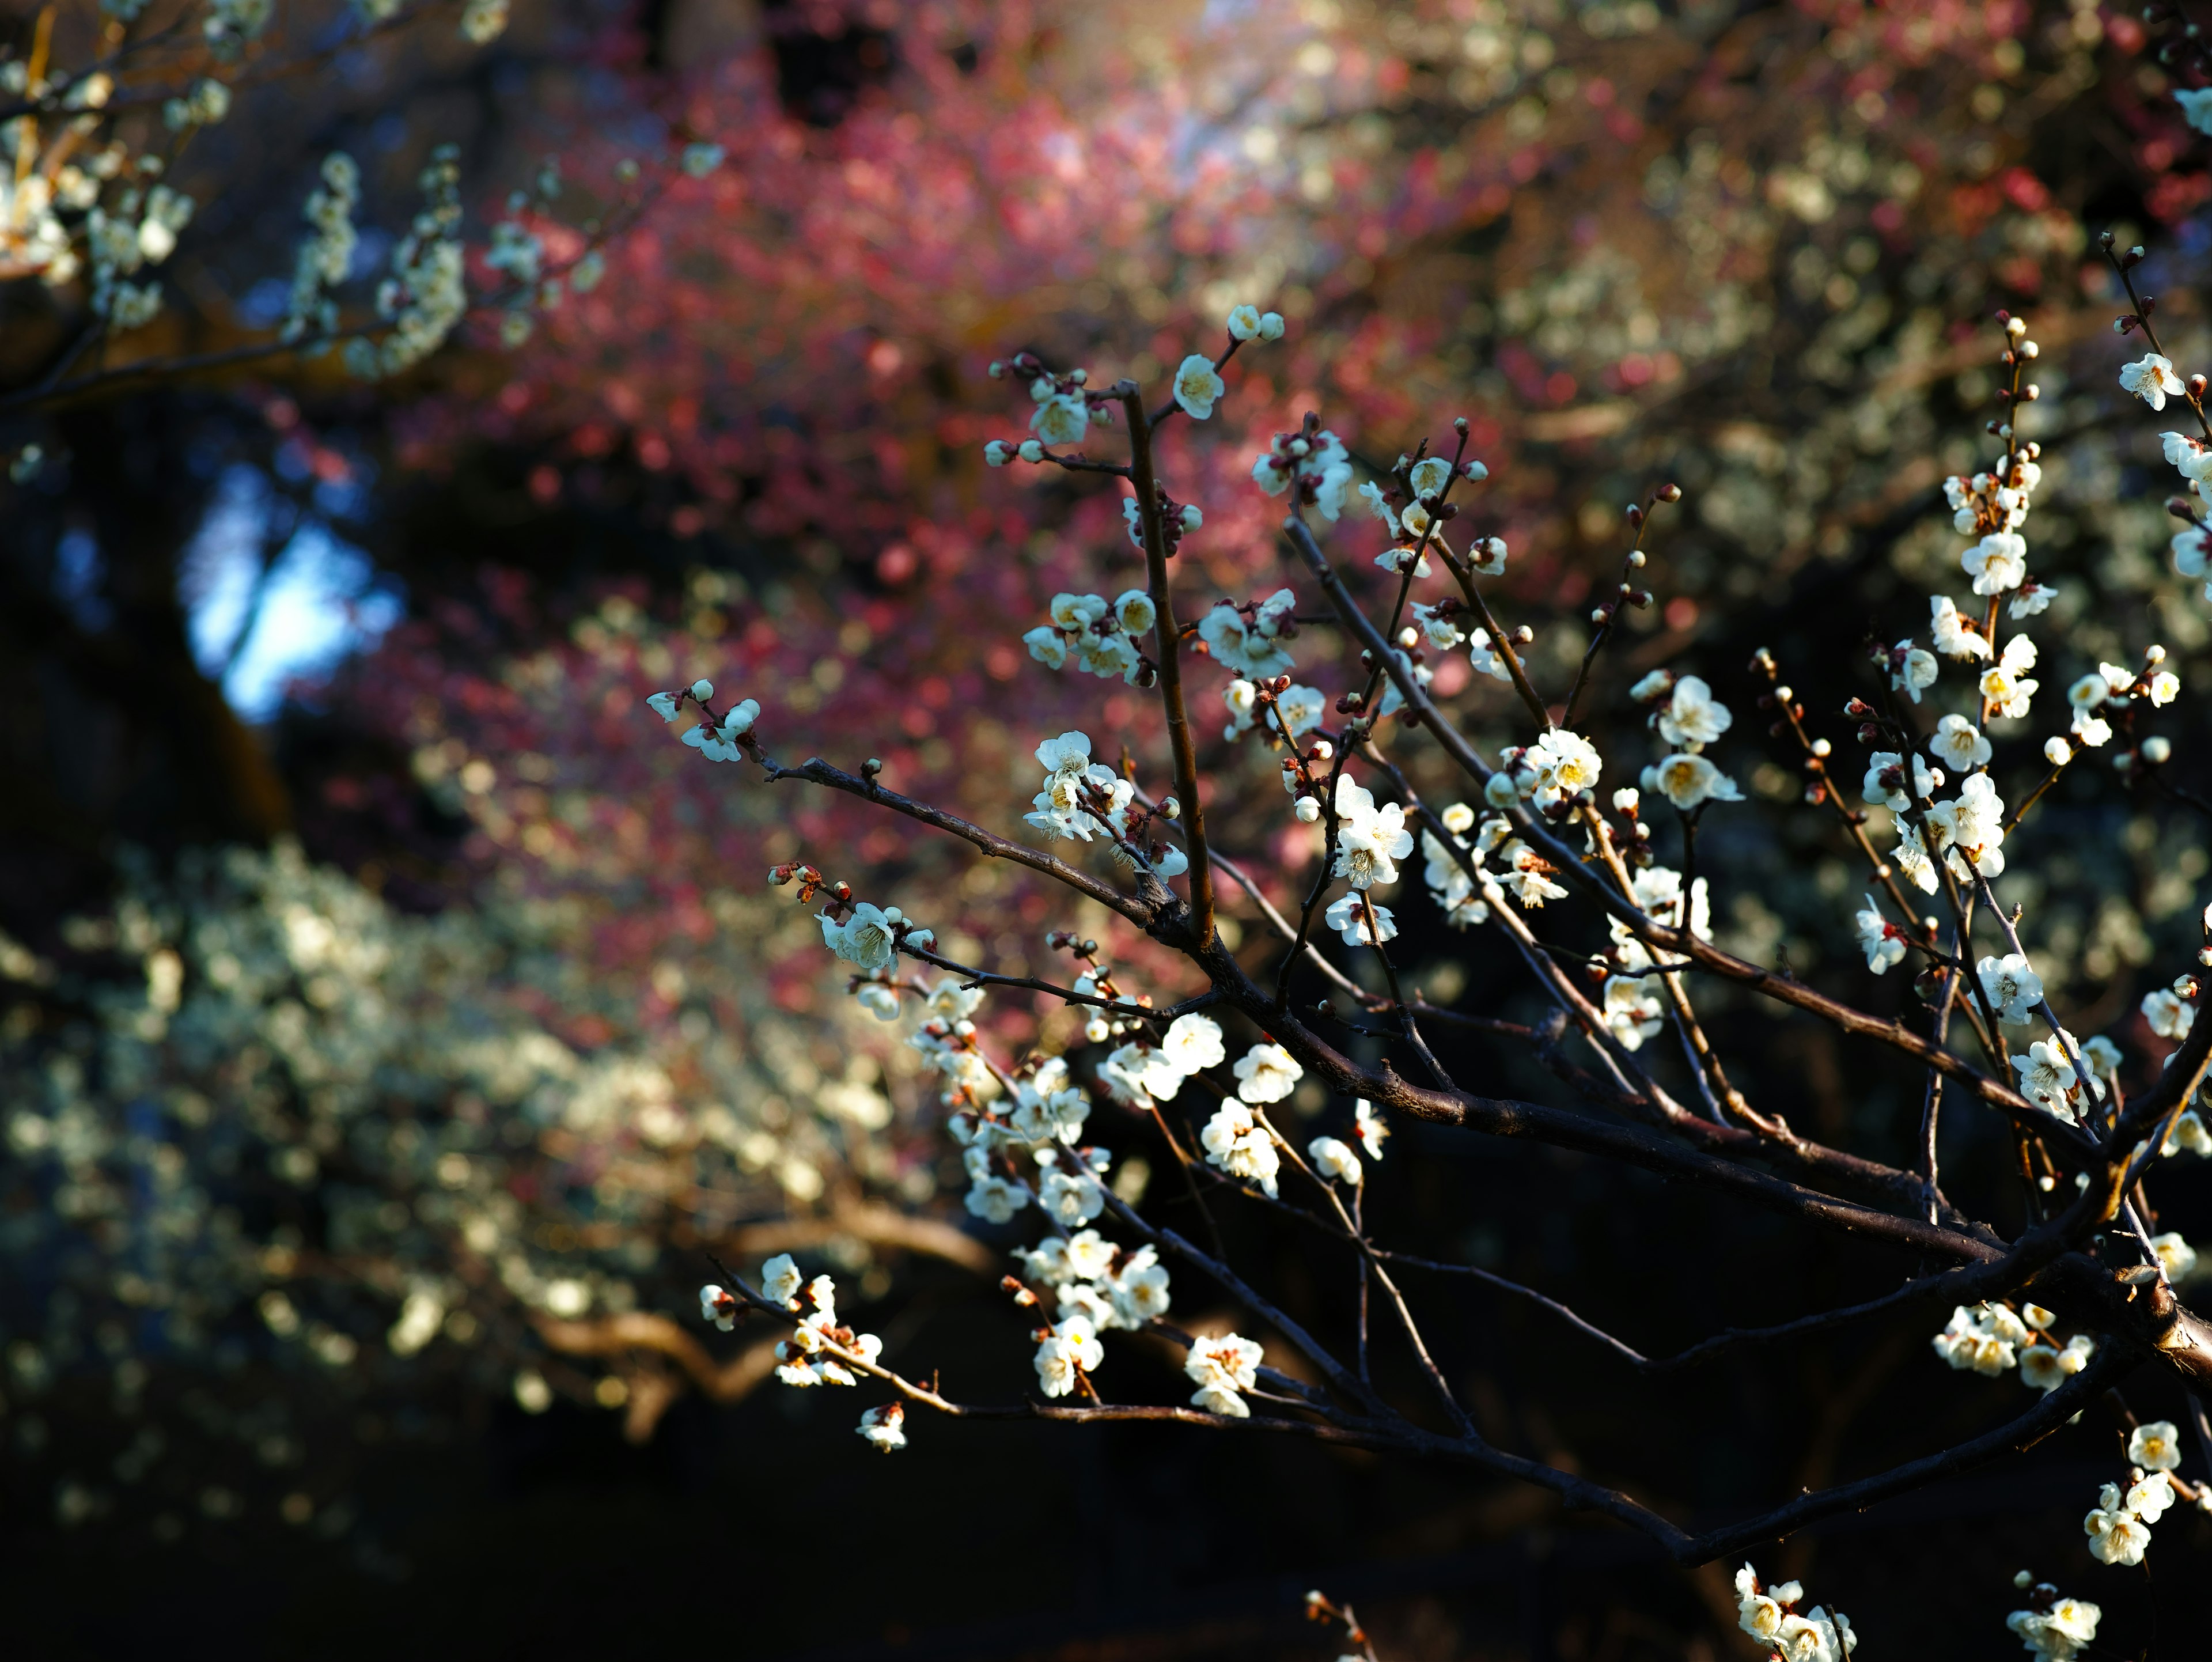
(1882, 941)
(1983, 1340)
(1565, 765)
(1688, 781)
(1926, 782)
(2170, 1016)
(1332, 1158)
(1372, 1130)
(1959, 745)
(1238, 1144)
(1266, 1073)
(2046, 1077)
(2013, 988)
(780, 1280)
(2116, 1535)
(1955, 634)
(1197, 386)
(1997, 563)
(1969, 829)
(867, 938)
(1062, 419)
(1192, 1043)
(884, 1426)
(1250, 650)
(1693, 717)
(1362, 921)
(1073, 1200)
(1915, 673)
(2046, 1367)
(2176, 1257)
(1369, 841)
(2060, 1633)
(718, 1307)
(1067, 1351)
(2155, 1446)
(1633, 1010)
(1221, 1367)
(2151, 378)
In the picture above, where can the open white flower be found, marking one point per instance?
(1196, 385)
(2155, 1446)
(2014, 987)
(1067, 1351)
(1916, 674)
(1369, 841)
(1958, 744)
(1633, 1012)
(1192, 1043)
(1693, 716)
(1955, 636)
(1970, 828)
(780, 1280)
(884, 1426)
(1266, 1073)
(2046, 1077)
(1997, 563)
(2151, 378)
(1882, 941)
(2115, 1535)
(1370, 1126)
(1688, 781)
(2046, 1368)
(1221, 1367)
(1361, 922)
(1333, 1158)
(1244, 323)
(1061, 419)
(2176, 1257)
(1566, 764)
(2169, 1014)
(1236, 1141)
(865, 938)
(1248, 649)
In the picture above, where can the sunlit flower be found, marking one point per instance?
(1221, 1367)
(2151, 378)
(1882, 941)
(1234, 1140)
(1360, 920)
(2013, 988)
(1916, 674)
(1197, 386)
(1693, 716)
(1266, 1073)
(2155, 1446)
(1954, 635)
(1334, 1158)
(1371, 1128)
(884, 1426)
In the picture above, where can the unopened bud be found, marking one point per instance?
(1822, 748)
(871, 767)
(2157, 751)
(1635, 559)
(1459, 425)
(1024, 1299)
(1635, 515)
(1524, 636)
(1670, 493)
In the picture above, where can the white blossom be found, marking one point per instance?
(2155, 1446)
(1196, 385)
(1693, 716)
(1221, 1367)
(2013, 988)
(1997, 563)
(2151, 378)
(1370, 1126)
(1192, 1043)
(1266, 1073)
(1332, 1158)
(1688, 781)
(1959, 744)
(1633, 1012)
(2115, 1535)
(865, 938)
(1882, 941)
(1361, 922)
(884, 1426)
(1369, 841)
(780, 1280)
(1916, 674)
(1954, 635)
(1237, 1143)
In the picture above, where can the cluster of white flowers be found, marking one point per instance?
(2118, 1526)
(1081, 798)
(1101, 637)
(810, 1357)
(1990, 1338)
(426, 296)
(204, 105)
(1767, 1614)
(1247, 640)
(1093, 1279)
(1314, 462)
(1558, 768)
(1300, 710)
(1138, 1074)
(2054, 1627)
(327, 257)
(1222, 1368)
(139, 232)
(1369, 841)
(1448, 882)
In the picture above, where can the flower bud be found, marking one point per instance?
(2157, 751)
(1670, 493)
(1500, 792)
(703, 690)
(1307, 809)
